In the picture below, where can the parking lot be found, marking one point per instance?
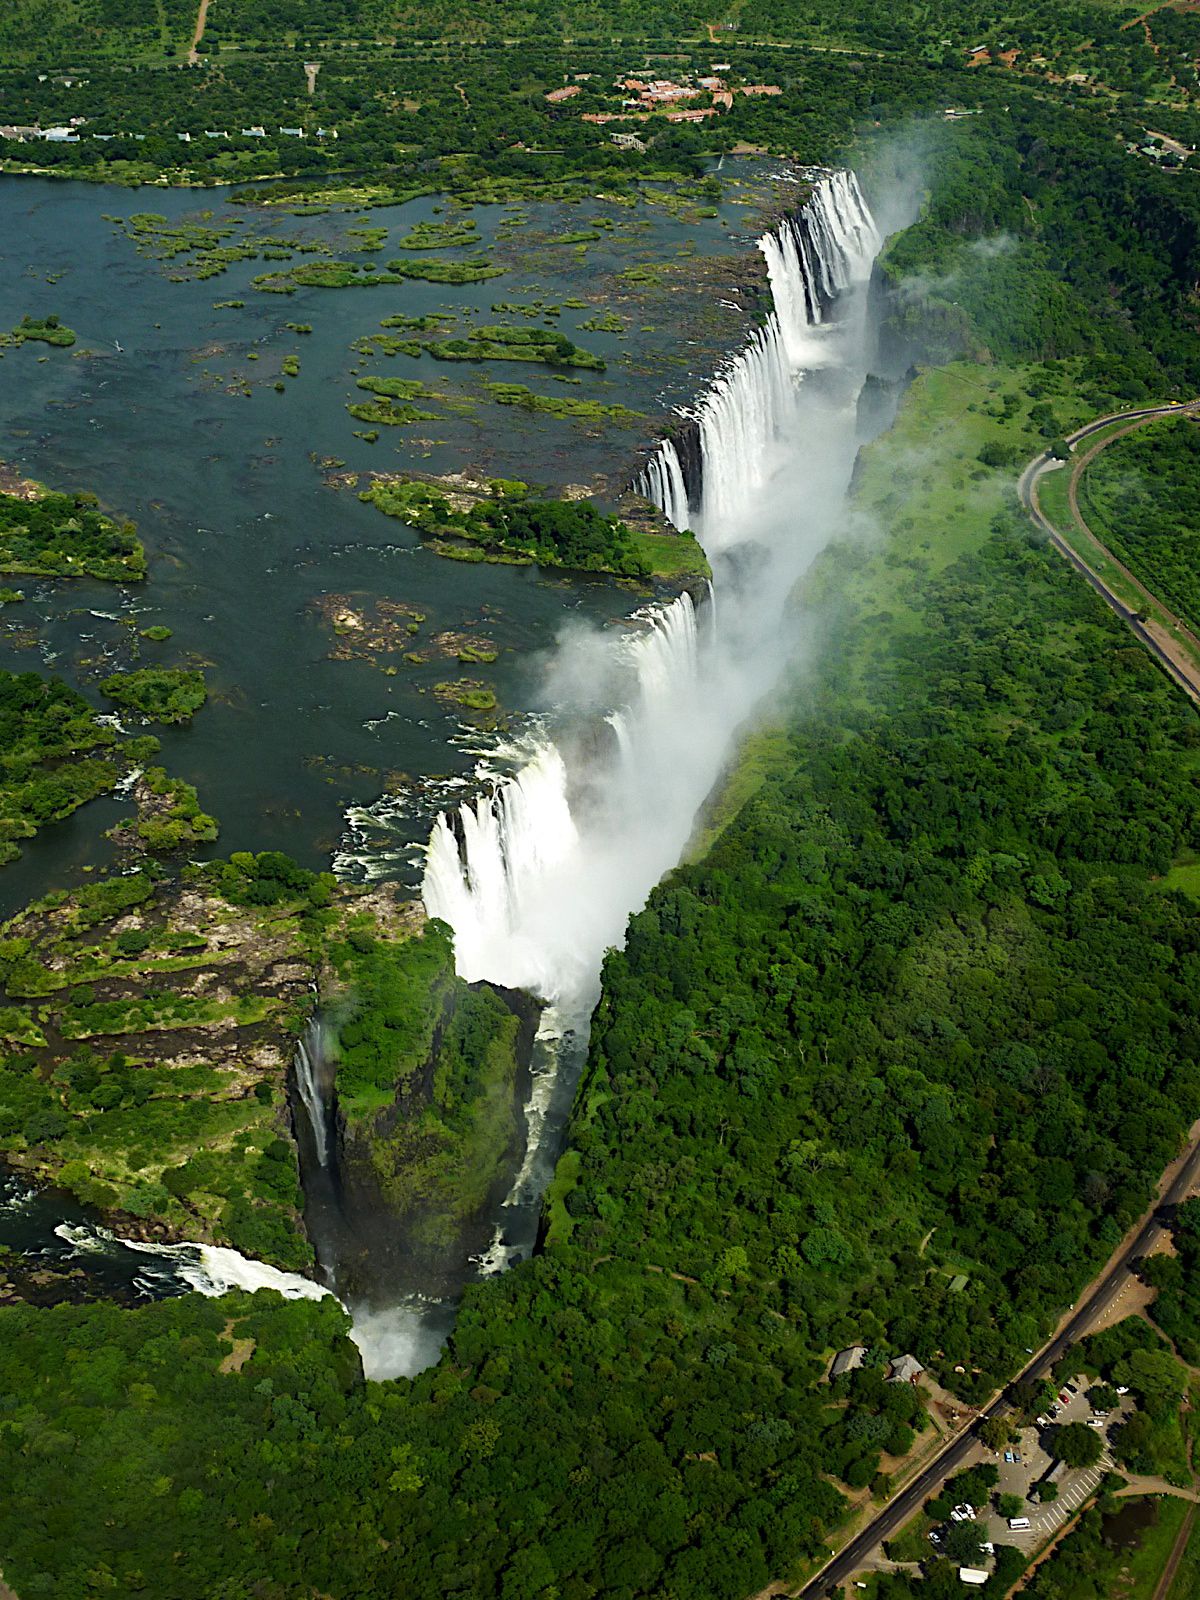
(1075, 1485)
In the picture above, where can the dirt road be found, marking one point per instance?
(201, 19)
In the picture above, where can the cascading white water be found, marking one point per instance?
(534, 888)
(208, 1268)
(497, 870)
(311, 1050)
(663, 482)
(750, 406)
(538, 877)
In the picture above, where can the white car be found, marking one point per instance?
(963, 1514)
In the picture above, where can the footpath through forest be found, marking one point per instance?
(1172, 644)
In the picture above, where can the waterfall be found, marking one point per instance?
(539, 875)
(663, 482)
(743, 417)
(309, 1064)
(210, 1269)
(812, 258)
(498, 868)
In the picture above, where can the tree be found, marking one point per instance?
(1077, 1444)
(995, 1432)
(963, 1544)
(1010, 1505)
(1103, 1397)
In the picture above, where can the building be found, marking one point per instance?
(293, 133)
(691, 116)
(567, 92)
(905, 1369)
(760, 88)
(254, 133)
(627, 141)
(848, 1360)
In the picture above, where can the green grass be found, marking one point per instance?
(912, 1543)
(566, 1176)
(1147, 1562)
(1185, 876)
(762, 754)
(672, 555)
(1186, 1585)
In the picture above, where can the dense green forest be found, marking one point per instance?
(1176, 1278)
(1142, 496)
(66, 536)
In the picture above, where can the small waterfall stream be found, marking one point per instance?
(312, 1066)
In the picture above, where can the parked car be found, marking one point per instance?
(1008, 1456)
(1017, 1457)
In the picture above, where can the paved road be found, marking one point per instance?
(1175, 669)
(909, 1501)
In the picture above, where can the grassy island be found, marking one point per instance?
(559, 405)
(497, 342)
(439, 235)
(54, 535)
(365, 275)
(43, 330)
(508, 524)
(54, 756)
(162, 694)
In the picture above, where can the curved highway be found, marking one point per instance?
(1176, 670)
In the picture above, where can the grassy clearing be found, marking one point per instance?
(760, 755)
(566, 1176)
(672, 555)
(1185, 876)
(1147, 1563)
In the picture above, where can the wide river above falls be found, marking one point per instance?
(249, 547)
